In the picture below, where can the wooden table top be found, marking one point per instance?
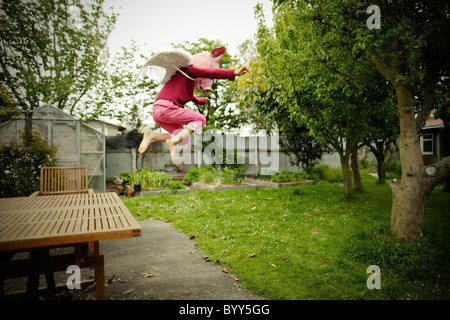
(39, 221)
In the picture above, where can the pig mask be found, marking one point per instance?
(207, 60)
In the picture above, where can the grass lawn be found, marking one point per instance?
(310, 242)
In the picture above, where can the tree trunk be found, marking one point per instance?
(381, 161)
(407, 209)
(409, 195)
(381, 171)
(28, 131)
(411, 192)
(346, 174)
(379, 152)
(355, 169)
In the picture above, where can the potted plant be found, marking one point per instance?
(120, 189)
(130, 191)
(125, 176)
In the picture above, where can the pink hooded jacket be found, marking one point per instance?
(180, 90)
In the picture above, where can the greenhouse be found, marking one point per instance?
(77, 143)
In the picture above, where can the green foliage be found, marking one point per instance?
(53, 51)
(149, 179)
(120, 87)
(315, 73)
(193, 175)
(175, 185)
(394, 170)
(9, 109)
(232, 176)
(21, 163)
(322, 172)
(125, 176)
(286, 176)
(214, 176)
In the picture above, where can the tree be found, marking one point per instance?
(120, 94)
(409, 49)
(323, 86)
(266, 113)
(220, 111)
(53, 51)
(9, 109)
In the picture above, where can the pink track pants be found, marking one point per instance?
(171, 118)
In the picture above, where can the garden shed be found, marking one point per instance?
(77, 143)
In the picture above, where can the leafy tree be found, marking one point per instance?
(120, 94)
(323, 86)
(53, 51)
(409, 49)
(302, 148)
(9, 109)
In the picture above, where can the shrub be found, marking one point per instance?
(230, 176)
(193, 175)
(214, 176)
(175, 185)
(394, 170)
(20, 163)
(125, 176)
(149, 179)
(286, 176)
(334, 175)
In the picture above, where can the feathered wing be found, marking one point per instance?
(163, 65)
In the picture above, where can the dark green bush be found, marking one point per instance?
(21, 163)
(175, 185)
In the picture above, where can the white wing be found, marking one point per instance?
(163, 65)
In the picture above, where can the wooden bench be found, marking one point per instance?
(63, 180)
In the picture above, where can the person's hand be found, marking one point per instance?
(241, 71)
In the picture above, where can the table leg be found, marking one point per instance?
(99, 272)
(33, 279)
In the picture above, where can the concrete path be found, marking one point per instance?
(179, 271)
(176, 268)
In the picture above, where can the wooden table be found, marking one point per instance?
(39, 223)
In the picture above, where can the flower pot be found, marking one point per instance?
(130, 193)
(137, 189)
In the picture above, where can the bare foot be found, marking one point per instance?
(149, 137)
(172, 149)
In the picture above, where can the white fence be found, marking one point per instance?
(260, 155)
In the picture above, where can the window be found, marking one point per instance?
(427, 143)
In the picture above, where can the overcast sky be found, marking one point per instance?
(158, 23)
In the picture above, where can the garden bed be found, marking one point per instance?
(271, 184)
(212, 187)
(158, 192)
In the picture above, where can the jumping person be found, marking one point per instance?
(169, 110)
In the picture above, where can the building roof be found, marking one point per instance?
(434, 124)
